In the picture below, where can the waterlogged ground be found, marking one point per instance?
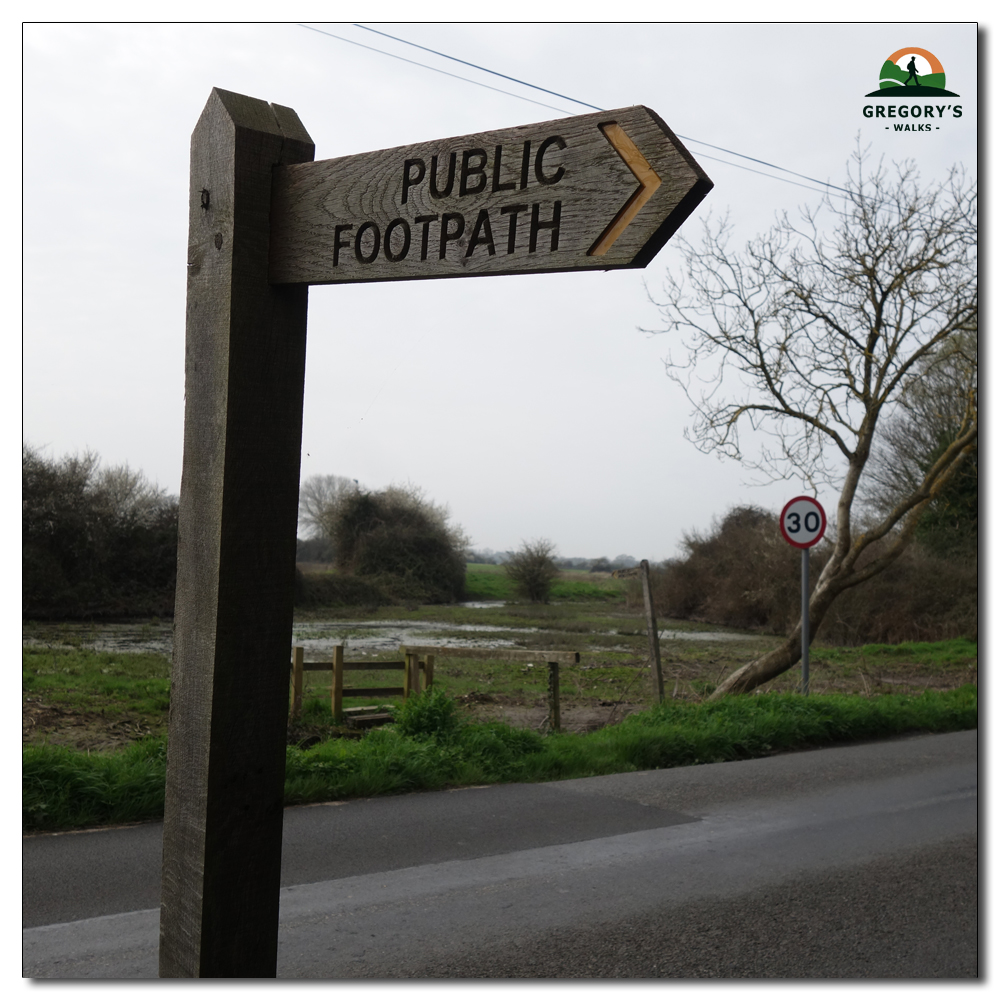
(103, 686)
(371, 636)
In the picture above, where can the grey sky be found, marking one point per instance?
(532, 406)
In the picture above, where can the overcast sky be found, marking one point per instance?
(532, 406)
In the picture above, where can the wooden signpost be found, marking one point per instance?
(597, 191)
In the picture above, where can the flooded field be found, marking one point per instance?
(365, 636)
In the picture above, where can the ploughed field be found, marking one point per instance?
(99, 687)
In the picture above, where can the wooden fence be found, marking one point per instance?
(415, 659)
(552, 657)
(410, 665)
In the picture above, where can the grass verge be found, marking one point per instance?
(431, 746)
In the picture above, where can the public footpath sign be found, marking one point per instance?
(598, 191)
(803, 524)
(594, 192)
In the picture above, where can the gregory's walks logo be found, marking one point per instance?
(912, 75)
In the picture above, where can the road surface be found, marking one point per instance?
(854, 861)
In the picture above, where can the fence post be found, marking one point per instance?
(298, 658)
(412, 681)
(337, 687)
(554, 720)
(428, 672)
(654, 633)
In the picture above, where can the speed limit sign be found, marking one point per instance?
(803, 522)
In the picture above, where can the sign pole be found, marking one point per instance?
(244, 378)
(805, 621)
(803, 524)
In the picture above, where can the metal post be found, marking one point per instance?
(805, 621)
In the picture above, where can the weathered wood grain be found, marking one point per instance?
(331, 217)
(244, 375)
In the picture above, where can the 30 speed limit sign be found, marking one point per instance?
(803, 522)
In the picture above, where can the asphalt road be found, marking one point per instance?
(856, 861)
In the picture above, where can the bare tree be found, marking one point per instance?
(814, 335)
(319, 497)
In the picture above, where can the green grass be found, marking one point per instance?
(85, 680)
(484, 582)
(66, 789)
(431, 747)
(949, 653)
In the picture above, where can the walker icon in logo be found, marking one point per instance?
(909, 73)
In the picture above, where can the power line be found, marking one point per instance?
(412, 62)
(784, 180)
(444, 55)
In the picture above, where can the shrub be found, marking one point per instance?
(533, 569)
(396, 534)
(743, 574)
(428, 715)
(95, 542)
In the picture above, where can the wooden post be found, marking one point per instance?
(244, 376)
(411, 680)
(428, 672)
(337, 688)
(554, 720)
(298, 658)
(408, 673)
(652, 631)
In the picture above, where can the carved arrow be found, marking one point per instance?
(645, 175)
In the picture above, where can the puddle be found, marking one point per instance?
(144, 638)
(319, 637)
(368, 636)
(390, 635)
(673, 635)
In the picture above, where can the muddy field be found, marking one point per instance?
(611, 681)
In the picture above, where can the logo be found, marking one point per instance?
(909, 73)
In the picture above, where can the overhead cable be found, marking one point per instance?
(444, 55)
(413, 62)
